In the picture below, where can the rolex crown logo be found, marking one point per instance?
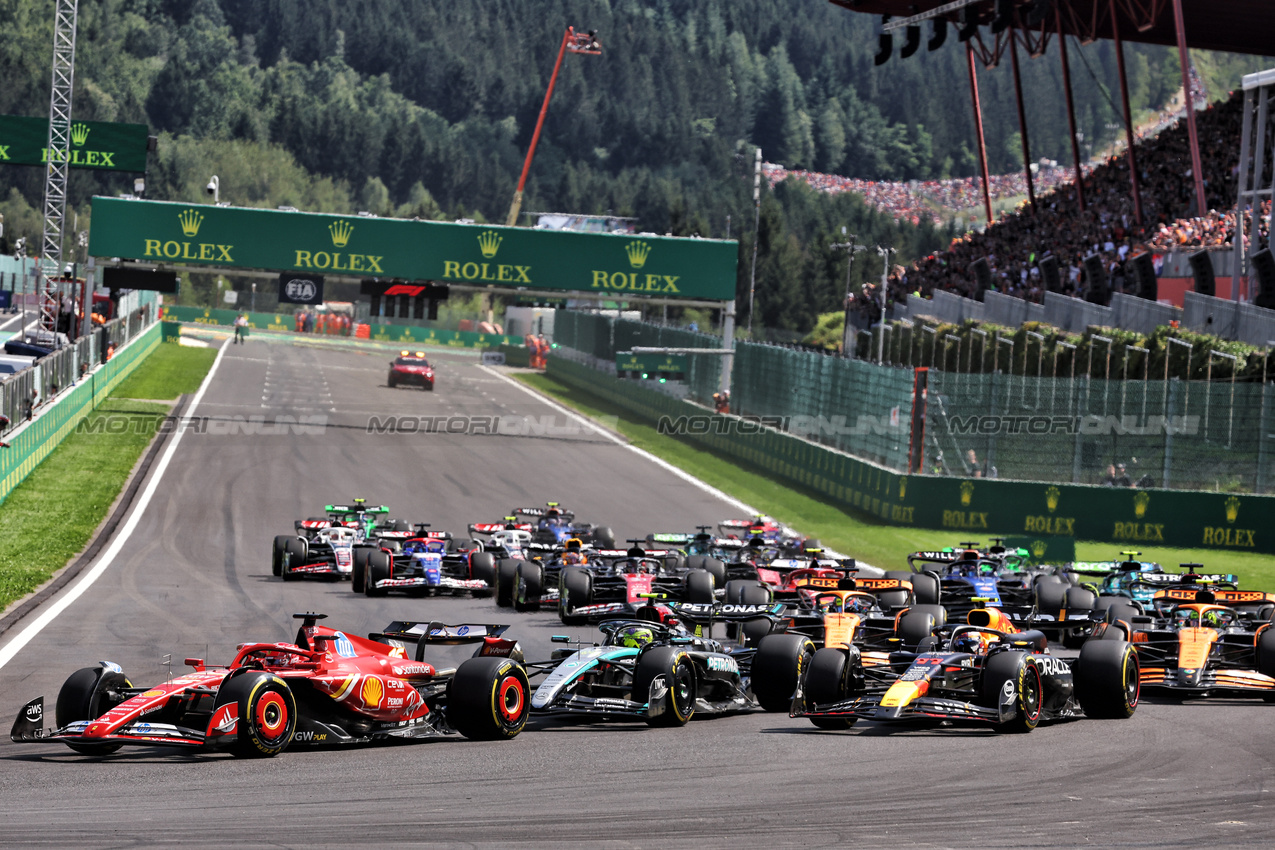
(1038, 549)
(1232, 509)
(489, 243)
(341, 231)
(190, 221)
(967, 492)
(1140, 502)
(79, 134)
(903, 488)
(1051, 498)
(638, 252)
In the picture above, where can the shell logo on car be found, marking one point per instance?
(373, 691)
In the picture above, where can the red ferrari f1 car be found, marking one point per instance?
(326, 688)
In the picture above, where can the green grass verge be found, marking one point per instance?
(169, 372)
(51, 516)
(853, 534)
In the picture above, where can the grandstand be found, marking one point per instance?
(1165, 197)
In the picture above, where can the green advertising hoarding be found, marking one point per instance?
(94, 144)
(359, 246)
(663, 364)
(1046, 519)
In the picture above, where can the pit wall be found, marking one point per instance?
(28, 447)
(1053, 516)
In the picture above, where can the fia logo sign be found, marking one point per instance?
(300, 289)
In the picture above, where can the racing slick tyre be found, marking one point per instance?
(401, 525)
(505, 570)
(488, 699)
(267, 716)
(574, 591)
(699, 587)
(1123, 611)
(528, 581)
(276, 553)
(358, 572)
(1011, 681)
(1106, 676)
(379, 568)
(675, 561)
(87, 694)
(717, 569)
(482, 567)
(752, 631)
(744, 592)
(937, 611)
(295, 552)
(604, 537)
(1077, 599)
(1265, 652)
(925, 589)
(777, 668)
(675, 666)
(1051, 594)
(827, 682)
(914, 627)
(810, 543)
(460, 544)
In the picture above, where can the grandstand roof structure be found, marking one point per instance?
(1234, 26)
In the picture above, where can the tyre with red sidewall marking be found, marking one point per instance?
(267, 713)
(488, 699)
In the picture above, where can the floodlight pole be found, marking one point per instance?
(569, 39)
(851, 249)
(752, 280)
(885, 283)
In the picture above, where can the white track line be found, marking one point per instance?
(53, 609)
(660, 462)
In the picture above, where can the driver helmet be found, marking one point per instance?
(572, 557)
(971, 642)
(634, 636)
(1212, 617)
(830, 604)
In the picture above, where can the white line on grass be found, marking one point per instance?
(63, 601)
(660, 462)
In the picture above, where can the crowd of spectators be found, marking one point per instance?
(1015, 244)
(917, 200)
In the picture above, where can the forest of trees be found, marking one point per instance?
(414, 108)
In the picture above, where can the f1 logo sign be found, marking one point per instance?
(404, 289)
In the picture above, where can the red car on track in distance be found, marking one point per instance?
(411, 368)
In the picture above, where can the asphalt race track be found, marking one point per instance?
(194, 580)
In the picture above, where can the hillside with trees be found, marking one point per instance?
(409, 108)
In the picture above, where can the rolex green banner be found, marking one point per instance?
(94, 144)
(358, 246)
(650, 363)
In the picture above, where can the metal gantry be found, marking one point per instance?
(58, 160)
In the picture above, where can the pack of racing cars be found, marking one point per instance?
(739, 616)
